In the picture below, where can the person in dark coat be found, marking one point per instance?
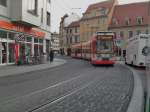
(51, 55)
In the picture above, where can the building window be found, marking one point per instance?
(130, 34)
(48, 18)
(114, 21)
(147, 31)
(3, 3)
(49, 1)
(70, 30)
(138, 32)
(70, 40)
(139, 20)
(127, 21)
(121, 34)
(42, 15)
(76, 30)
(33, 6)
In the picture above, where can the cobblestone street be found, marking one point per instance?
(76, 86)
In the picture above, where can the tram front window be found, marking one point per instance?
(104, 45)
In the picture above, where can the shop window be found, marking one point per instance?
(11, 48)
(3, 34)
(41, 41)
(36, 40)
(11, 36)
(4, 52)
(3, 3)
(29, 39)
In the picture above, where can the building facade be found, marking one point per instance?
(55, 42)
(129, 20)
(65, 22)
(96, 18)
(72, 34)
(24, 30)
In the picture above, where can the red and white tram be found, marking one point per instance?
(76, 51)
(99, 50)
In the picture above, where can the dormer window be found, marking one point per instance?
(139, 20)
(127, 21)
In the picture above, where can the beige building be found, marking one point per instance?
(96, 18)
(65, 22)
(129, 20)
(72, 34)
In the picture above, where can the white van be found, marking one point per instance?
(135, 53)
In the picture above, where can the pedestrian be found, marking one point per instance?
(51, 55)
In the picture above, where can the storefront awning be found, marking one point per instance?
(21, 28)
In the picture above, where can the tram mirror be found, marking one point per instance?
(146, 51)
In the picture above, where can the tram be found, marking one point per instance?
(99, 50)
(76, 51)
(102, 49)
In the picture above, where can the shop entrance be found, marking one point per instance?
(22, 57)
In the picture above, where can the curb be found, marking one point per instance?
(60, 61)
(137, 100)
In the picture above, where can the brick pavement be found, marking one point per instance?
(15, 70)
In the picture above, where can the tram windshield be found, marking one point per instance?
(104, 45)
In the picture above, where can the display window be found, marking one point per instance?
(4, 53)
(11, 47)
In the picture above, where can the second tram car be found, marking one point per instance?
(99, 50)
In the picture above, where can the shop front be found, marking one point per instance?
(18, 44)
(6, 47)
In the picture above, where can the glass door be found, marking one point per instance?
(4, 53)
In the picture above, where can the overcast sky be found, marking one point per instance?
(61, 7)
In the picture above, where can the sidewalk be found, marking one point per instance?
(14, 69)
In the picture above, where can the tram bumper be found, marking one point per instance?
(102, 62)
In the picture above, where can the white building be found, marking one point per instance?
(55, 42)
(24, 29)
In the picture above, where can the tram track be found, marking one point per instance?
(52, 93)
(41, 107)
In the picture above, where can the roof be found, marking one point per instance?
(105, 4)
(130, 11)
(74, 24)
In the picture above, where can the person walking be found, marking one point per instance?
(51, 55)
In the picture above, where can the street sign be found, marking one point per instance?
(19, 37)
